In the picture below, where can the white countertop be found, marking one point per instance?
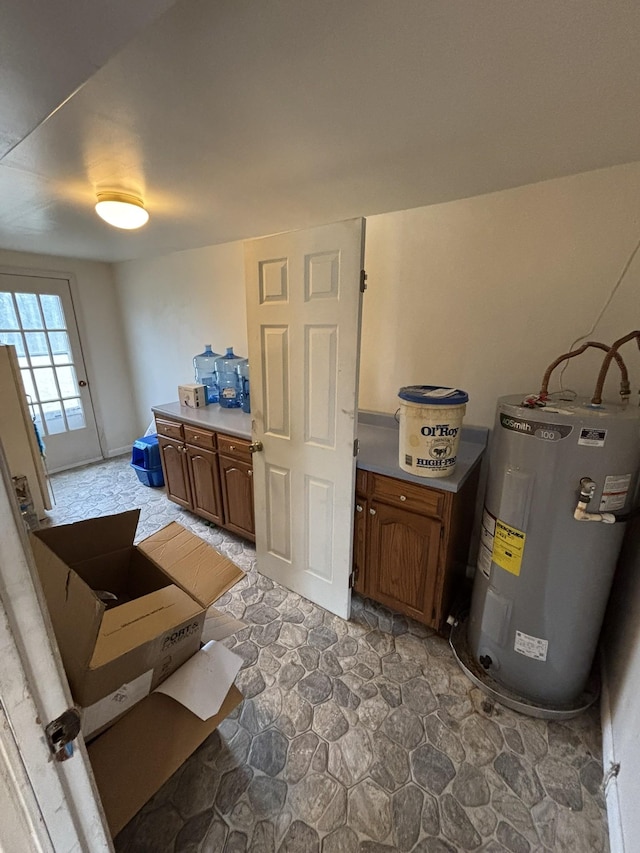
(229, 421)
(379, 441)
(377, 432)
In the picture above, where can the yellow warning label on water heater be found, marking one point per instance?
(508, 547)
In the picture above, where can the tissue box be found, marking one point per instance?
(194, 396)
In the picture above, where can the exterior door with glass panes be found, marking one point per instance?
(37, 317)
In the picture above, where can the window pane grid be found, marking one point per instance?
(29, 311)
(36, 326)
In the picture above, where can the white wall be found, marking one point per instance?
(481, 293)
(171, 307)
(485, 292)
(101, 335)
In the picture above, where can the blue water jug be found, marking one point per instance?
(204, 367)
(229, 390)
(243, 375)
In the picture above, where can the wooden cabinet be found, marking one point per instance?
(411, 544)
(403, 559)
(205, 483)
(174, 468)
(209, 474)
(237, 496)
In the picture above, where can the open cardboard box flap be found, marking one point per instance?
(74, 610)
(83, 540)
(191, 563)
(137, 755)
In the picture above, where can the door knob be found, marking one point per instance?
(255, 447)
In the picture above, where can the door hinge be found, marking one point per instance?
(356, 446)
(353, 577)
(363, 281)
(61, 733)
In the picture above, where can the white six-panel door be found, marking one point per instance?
(303, 313)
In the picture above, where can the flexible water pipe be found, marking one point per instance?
(596, 400)
(625, 388)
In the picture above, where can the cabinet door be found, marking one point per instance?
(360, 546)
(176, 474)
(236, 480)
(205, 483)
(403, 560)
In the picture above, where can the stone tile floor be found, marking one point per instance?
(359, 735)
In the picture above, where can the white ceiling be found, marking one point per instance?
(236, 118)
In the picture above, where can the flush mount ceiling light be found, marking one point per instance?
(121, 210)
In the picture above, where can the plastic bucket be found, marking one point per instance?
(430, 425)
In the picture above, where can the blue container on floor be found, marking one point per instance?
(145, 460)
(149, 476)
(146, 452)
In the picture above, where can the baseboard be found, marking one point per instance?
(118, 451)
(110, 454)
(614, 818)
(74, 465)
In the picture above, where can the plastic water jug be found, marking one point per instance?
(229, 390)
(204, 367)
(243, 374)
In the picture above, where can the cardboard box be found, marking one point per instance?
(103, 713)
(194, 396)
(169, 581)
(137, 755)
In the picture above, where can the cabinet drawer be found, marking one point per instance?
(200, 437)
(420, 499)
(171, 428)
(236, 447)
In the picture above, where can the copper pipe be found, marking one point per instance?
(625, 389)
(596, 400)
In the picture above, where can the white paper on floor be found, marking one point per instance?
(202, 683)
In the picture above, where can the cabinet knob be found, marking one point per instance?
(372, 512)
(196, 437)
(255, 447)
(358, 508)
(403, 497)
(251, 472)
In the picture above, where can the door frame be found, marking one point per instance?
(58, 800)
(70, 278)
